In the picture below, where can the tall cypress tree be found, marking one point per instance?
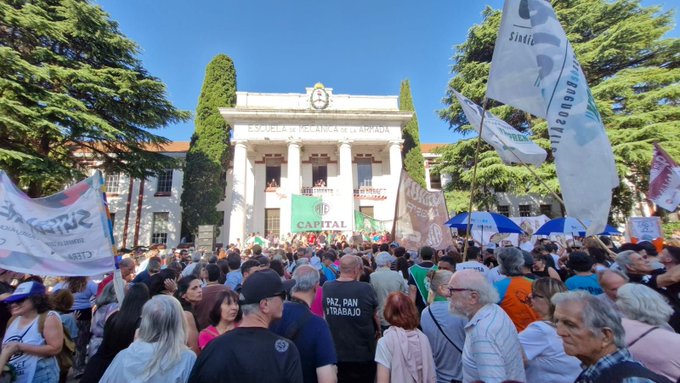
(414, 163)
(633, 73)
(206, 162)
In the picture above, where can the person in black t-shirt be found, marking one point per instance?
(251, 353)
(350, 309)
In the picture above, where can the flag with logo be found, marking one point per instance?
(511, 145)
(65, 234)
(362, 222)
(534, 69)
(320, 214)
(420, 216)
(664, 180)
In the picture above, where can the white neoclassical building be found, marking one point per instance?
(344, 148)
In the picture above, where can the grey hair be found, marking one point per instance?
(440, 278)
(597, 314)
(163, 326)
(107, 296)
(624, 259)
(476, 281)
(643, 304)
(250, 309)
(383, 258)
(510, 260)
(306, 279)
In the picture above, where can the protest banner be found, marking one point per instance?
(65, 234)
(511, 145)
(420, 216)
(664, 180)
(362, 222)
(320, 214)
(534, 69)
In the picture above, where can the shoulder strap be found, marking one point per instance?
(294, 329)
(442, 330)
(641, 336)
(628, 369)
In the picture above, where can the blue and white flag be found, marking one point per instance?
(511, 145)
(534, 69)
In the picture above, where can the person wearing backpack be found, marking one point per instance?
(34, 335)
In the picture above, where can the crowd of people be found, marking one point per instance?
(314, 308)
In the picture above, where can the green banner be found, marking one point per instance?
(362, 222)
(306, 213)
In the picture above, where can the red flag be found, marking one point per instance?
(664, 180)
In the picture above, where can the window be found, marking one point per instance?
(160, 228)
(546, 210)
(164, 185)
(525, 210)
(272, 220)
(366, 210)
(273, 176)
(365, 171)
(504, 210)
(435, 181)
(319, 175)
(112, 182)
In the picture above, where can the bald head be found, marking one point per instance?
(610, 281)
(476, 282)
(350, 265)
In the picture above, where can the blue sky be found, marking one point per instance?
(353, 46)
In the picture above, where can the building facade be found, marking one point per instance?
(343, 148)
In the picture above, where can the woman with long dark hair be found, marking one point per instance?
(189, 292)
(224, 317)
(84, 291)
(119, 332)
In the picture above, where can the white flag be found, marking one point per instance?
(583, 154)
(503, 137)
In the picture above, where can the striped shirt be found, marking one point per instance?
(492, 352)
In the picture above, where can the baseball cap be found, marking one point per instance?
(394, 244)
(26, 290)
(260, 285)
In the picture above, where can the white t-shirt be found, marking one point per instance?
(546, 360)
(494, 275)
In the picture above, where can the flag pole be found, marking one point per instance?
(559, 199)
(118, 283)
(474, 178)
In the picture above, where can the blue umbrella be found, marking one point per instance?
(569, 225)
(493, 222)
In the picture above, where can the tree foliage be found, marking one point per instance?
(414, 162)
(71, 81)
(206, 162)
(633, 73)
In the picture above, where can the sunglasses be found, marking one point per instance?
(18, 302)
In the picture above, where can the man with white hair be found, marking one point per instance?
(384, 282)
(592, 332)
(492, 352)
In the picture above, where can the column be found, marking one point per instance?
(395, 158)
(237, 213)
(292, 185)
(428, 185)
(345, 170)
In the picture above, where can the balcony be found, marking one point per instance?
(317, 191)
(370, 193)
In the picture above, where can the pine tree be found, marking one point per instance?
(414, 162)
(633, 73)
(71, 81)
(206, 162)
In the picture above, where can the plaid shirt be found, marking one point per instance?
(590, 374)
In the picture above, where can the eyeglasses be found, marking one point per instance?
(451, 290)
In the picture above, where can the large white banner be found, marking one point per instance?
(512, 146)
(64, 234)
(533, 60)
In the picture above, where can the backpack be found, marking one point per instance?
(68, 348)
(629, 369)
